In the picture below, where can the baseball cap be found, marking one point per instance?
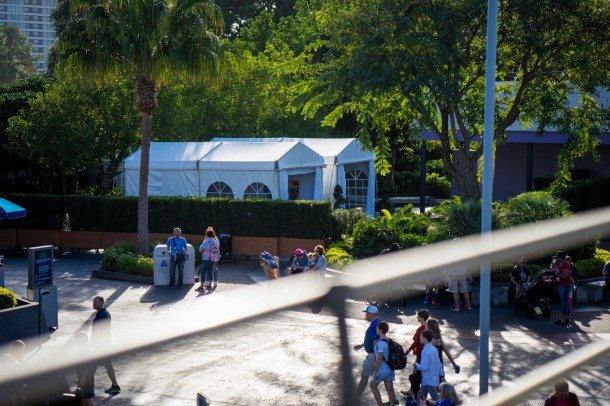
(371, 309)
(298, 251)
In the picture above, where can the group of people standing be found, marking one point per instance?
(210, 252)
(428, 377)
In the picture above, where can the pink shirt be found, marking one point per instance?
(561, 269)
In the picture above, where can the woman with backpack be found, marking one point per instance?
(207, 249)
(382, 371)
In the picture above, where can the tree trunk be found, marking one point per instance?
(147, 100)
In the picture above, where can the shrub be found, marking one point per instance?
(501, 272)
(457, 219)
(592, 267)
(437, 186)
(338, 257)
(531, 207)
(406, 228)
(8, 300)
(344, 221)
(112, 254)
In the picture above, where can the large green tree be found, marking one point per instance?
(16, 61)
(149, 42)
(433, 53)
(68, 129)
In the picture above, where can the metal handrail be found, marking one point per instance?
(207, 315)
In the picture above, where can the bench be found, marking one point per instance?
(595, 291)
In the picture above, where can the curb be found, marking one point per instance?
(98, 273)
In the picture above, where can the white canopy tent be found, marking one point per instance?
(173, 168)
(345, 163)
(228, 169)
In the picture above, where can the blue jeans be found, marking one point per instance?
(215, 269)
(206, 271)
(564, 296)
(172, 272)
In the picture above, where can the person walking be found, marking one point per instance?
(382, 371)
(100, 338)
(176, 246)
(432, 325)
(565, 285)
(416, 346)
(370, 337)
(562, 395)
(430, 367)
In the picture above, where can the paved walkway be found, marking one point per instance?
(291, 357)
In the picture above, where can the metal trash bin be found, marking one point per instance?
(226, 245)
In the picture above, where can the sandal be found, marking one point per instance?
(455, 309)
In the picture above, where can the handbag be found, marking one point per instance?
(179, 256)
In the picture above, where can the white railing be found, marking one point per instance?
(390, 270)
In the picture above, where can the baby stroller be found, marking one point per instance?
(537, 296)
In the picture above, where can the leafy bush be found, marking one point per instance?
(344, 221)
(406, 228)
(592, 267)
(8, 300)
(122, 258)
(501, 272)
(337, 257)
(454, 218)
(531, 207)
(437, 186)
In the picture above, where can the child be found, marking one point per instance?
(381, 370)
(430, 367)
(416, 347)
(447, 394)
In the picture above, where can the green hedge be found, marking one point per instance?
(582, 194)
(249, 218)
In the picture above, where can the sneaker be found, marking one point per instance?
(560, 322)
(114, 389)
(425, 302)
(396, 402)
(199, 289)
(215, 285)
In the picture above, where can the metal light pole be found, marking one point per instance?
(488, 139)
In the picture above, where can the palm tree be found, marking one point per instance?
(150, 41)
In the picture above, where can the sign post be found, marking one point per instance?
(40, 284)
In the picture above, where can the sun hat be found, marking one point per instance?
(371, 309)
(298, 251)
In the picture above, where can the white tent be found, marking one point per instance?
(173, 168)
(228, 169)
(345, 163)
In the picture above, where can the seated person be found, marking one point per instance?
(299, 263)
(435, 287)
(312, 259)
(519, 278)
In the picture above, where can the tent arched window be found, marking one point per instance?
(356, 186)
(257, 190)
(219, 189)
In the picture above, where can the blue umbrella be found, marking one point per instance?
(10, 210)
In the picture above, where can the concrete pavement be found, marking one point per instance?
(291, 357)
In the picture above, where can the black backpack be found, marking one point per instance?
(397, 357)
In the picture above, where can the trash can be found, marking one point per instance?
(161, 263)
(226, 244)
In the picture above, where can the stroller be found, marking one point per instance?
(537, 296)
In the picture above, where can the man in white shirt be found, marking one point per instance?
(430, 367)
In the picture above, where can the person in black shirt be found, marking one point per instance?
(100, 338)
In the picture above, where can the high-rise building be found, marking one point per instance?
(33, 18)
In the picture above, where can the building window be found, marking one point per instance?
(356, 185)
(219, 189)
(257, 190)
